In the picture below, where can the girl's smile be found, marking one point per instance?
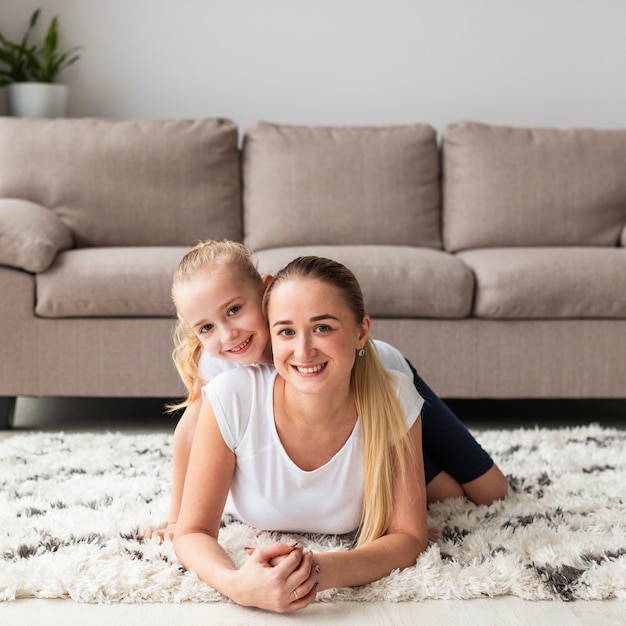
(242, 347)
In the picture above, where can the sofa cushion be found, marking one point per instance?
(532, 187)
(30, 235)
(623, 237)
(397, 281)
(549, 282)
(126, 183)
(310, 186)
(109, 282)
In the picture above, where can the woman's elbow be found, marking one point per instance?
(411, 551)
(178, 543)
(183, 543)
(420, 546)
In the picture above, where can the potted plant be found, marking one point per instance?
(29, 71)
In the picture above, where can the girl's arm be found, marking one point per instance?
(404, 541)
(181, 449)
(257, 583)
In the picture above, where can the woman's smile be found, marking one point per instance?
(309, 370)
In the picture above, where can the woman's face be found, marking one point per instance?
(226, 315)
(314, 334)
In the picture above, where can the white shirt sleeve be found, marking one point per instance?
(392, 358)
(232, 396)
(410, 400)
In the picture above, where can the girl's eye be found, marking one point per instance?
(234, 309)
(322, 328)
(206, 328)
(286, 332)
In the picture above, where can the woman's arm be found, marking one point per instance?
(257, 583)
(405, 540)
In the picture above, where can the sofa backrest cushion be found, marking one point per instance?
(532, 187)
(127, 183)
(342, 185)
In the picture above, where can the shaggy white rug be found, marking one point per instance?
(72, 506)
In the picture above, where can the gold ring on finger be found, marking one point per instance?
(295, 593)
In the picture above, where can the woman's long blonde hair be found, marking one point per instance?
(385, 433)
(205, 257)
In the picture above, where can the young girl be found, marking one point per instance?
(218, 292)
(327, 441)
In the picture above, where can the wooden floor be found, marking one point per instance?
(138, 415)
(502, 611)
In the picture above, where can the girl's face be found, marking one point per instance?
(314, 335)
(225, 313)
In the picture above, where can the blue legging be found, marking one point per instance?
(447, 444)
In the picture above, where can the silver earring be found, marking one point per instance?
(361, 352)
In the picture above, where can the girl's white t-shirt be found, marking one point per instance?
(269, 491)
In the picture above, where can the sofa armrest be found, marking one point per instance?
(623, 237)
(30, 235)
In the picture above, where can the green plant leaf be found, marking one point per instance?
(24, 62)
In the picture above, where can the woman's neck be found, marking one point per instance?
(316, 409)
(312, 429)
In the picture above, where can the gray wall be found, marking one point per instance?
(366, 62)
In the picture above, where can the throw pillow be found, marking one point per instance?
(31, 235)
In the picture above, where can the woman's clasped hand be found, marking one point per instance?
(280, 577)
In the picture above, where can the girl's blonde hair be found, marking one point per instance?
(382, 419)
(206, 256)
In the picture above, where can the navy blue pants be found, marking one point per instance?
(447, 444)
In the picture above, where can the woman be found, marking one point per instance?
(327, 441)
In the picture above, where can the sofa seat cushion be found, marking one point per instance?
(109, 282)
(30, 235)
(397, 281)
(532, 186)
(341, 185)
(528, 283)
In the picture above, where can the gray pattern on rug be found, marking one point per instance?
(72, 506)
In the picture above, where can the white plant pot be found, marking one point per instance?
(37, 100)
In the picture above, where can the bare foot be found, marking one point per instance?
(165, 533)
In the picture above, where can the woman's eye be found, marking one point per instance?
(206, 328)
(234, 309)
(286, 332)
(322, 328)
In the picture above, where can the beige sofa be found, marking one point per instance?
(494, 258)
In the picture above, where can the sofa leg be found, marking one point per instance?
(7, 412)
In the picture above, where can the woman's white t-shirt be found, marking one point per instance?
(269, 491)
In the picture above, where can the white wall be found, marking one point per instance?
(366, 62)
